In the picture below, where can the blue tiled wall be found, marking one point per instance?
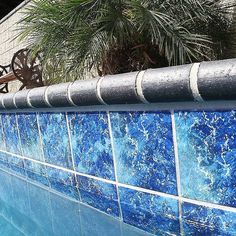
(162, 172)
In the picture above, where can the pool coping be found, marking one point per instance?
(197, 83)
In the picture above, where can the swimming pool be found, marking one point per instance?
(28, 209)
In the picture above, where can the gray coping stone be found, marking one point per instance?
(84, 92)
(167, 84)
(119, 89)
(217, 80)
(21, 99)
(8, 101)
(57, 95)
(36, 97)
(210, 81)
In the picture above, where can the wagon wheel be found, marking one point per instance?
(3, 87)
(27, 69)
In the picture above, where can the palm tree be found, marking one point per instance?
(116, 36)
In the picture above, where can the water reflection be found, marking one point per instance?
(27, 209)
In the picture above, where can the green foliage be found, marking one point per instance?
(115, 36)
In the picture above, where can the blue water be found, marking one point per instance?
(27, 210)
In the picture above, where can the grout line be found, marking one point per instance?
(35, 183)
(209, 204)
(114, 162)
(3, 134)
(95, 178)
(177, 166)
(18, 133)
(41, 146)
(72, 154)
(40, 137)
(70, 144)
(56, 192)
(153, 192)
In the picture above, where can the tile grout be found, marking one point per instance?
(72, 154)
(114, 162)
(153, 192)
(73, 163)
(46, 188)
(177, 166)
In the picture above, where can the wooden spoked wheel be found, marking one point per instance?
(27, 68)
(4, 86)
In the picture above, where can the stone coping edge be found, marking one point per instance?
(198, 82)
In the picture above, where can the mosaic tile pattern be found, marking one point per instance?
(11, 133)
(91, 144)
(55, 139)
(144, 150)
(98, 194)
(149, 212)
(206, 144)
(29, 135)
(206, 220)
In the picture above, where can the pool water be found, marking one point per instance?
(27, 209)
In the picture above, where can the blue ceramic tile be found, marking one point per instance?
(55, 139)
(208, 220)
(4, 160)
(206, 146)
(11, 133)
(91, 144)
(29, 134)
(36, 171)
(65, 215)
(191, 228)
(63, 182)
(16, 165)
(149, 212)
(2, 137)
(144, 150)
(100, 195)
